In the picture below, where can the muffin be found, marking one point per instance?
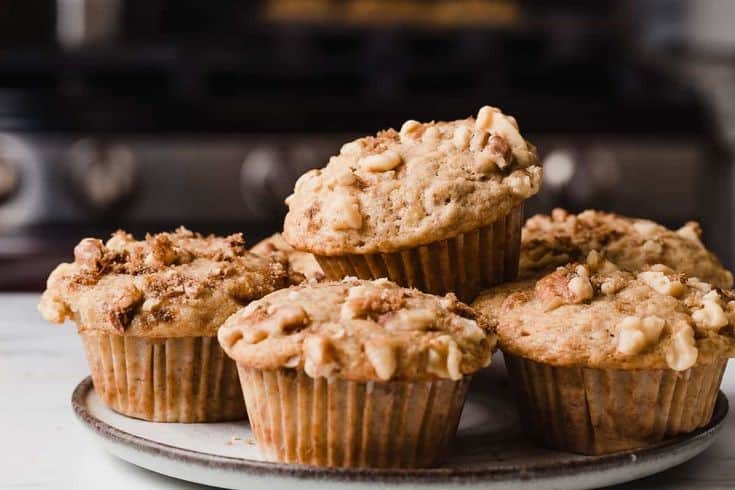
(148, 312)
(632, 244)
(604, 360)
(302, 266)
(356, 373)
(436, 206)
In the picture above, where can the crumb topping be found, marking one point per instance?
(360, 330)
(169, 284)
(656, 318)
(426, 182)
(302, 266)
(632, 244)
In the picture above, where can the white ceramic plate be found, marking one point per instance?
(489, 452)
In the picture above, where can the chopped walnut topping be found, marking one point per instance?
(647, 229)
(683, 353)
(431, 135)
(581, 289)
(350, 148)
(89, 254)
(695, 283)
(382, 356)
(711, 315)
(418, 319)
(318, 358)
(559, 288)
(484, 119)
(360, 330)
(122, 308)
(612, 285)
(283, 320)
(381, 162)
(658, 281)
(445, 358)
(652, 247)
(519, 182)
(344, 212)
(461, 137)
(370, 300)
(635, 334)
(408, 129)
(691, 231)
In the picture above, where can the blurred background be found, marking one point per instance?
(148, 114)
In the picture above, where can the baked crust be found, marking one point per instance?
(398, 190)
(597, 316)
(168, 285)
(361, 331)
(632, 244)
(302, 266)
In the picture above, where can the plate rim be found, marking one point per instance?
(422, 475)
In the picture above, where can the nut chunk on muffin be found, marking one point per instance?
(604, 360)
(356, 373)
(436, 206)
(302, 266)
(632, 244)
(148, 313)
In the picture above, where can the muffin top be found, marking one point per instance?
(428, 182)
(360, 330)
(168, 285)
(595, 315)
(302, 266)
(632, 244)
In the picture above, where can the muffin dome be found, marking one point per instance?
(360, 331)
(631, 244)
(594, 315)
(168, 285)
(428, 182)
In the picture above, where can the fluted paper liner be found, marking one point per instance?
(598, 411)
(186, 379)
(464, 264)
(299, 419)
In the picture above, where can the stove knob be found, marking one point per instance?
(103, 175)
(9, 178)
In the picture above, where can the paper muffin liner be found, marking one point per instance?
(464, 264)
(186, 379)
(598, 411)
(338, 423)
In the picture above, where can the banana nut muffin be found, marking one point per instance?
(148, 311)
(345, 366)
(435, 205)
(302, 266)
(632, 244)
(604, 360)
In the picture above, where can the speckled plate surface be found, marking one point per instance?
(489, 452)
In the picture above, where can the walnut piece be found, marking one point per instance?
(318, 358)
(381, 162)
(382, 356)
(658, 281)
(635, 334)
(711, 315)
(683, 353)
(344, 212)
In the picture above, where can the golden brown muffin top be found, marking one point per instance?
(632, 244)
(360, 330)
(302, 266)
(595, 315)
(428, 182)
(168, 285)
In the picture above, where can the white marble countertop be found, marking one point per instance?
(43, 446)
